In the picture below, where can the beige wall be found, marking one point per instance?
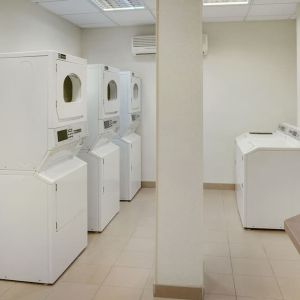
(298, 63)
(179, 205)
(25, 26)
(112, 46)
(249, 84)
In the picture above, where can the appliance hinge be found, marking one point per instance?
(56, 226)
(103, 161)
(56, 187)
(103, 190)
(56, 67)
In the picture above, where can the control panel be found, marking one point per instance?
(108, 128)
(290, 130)
(70, 133)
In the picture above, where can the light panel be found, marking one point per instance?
(224, 2)
(113, 5)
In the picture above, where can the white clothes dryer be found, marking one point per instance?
(267, 177)
(102, 156)
(43, 185)
(129, 141)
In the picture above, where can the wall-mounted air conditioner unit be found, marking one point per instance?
(143, 45)
(146, 44)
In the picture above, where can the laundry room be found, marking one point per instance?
(150, 149)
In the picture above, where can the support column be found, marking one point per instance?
(179, 259)
(298, 64)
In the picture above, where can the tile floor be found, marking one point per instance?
(118, 264)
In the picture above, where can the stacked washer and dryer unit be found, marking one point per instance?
(267, 177)
(43, 185)
(129, 141)
(102, 156)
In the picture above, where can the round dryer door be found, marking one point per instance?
(136, 94)
(111, 98)
(71, 100)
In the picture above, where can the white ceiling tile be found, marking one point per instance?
(266, 18)
(95, 25)
(151, 4)
(225, 11)
(70, 7)
(223, 19)
(89, 18)
(274, 1)
(272, 10)
(132, 17)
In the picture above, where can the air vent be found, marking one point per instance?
(224, 2)
(143, 45)
(109, 5)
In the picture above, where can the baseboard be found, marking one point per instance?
(148, 184)
(219, 186)
(178, 292)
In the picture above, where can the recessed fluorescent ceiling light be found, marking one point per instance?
(224, 2)
(109, 5)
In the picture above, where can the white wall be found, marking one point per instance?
(25, 26)
(112, 46)
(298, 63)
(179, 258)
(249, 84)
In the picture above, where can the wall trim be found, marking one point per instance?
(148, 184)
(178, 292)
(219, 186)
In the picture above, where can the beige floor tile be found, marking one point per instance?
(135, 244)
(136, 259)
(148, 295)
(247, 250)
(4, 286)
(219, 284)
(118, 293)
(281, 251)
(290, 288)
(127, 277)
(215, 236)
(219, 265)
(270, 236)
(144, 232)
(96, 256)
(243, 236)
(219, 297)
(247, 266)
(216, 249)
(83, 273)
(74, 291)
(257, 287)
(26, 291)
(286, 268)
(110, 243)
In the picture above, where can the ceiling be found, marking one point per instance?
(87, 15)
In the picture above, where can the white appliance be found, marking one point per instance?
(129, 141)
(102, 156)
(267, 177)
(43, 185)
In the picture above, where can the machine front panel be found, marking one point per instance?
(136, 89)
(111, 93)
(71, 91)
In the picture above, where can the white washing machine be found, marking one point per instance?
(43, 185)
(102, 156)
(267, 177)
(129, 141)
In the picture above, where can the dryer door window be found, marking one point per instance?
(136, 94)
(111, 98)
(71, 97)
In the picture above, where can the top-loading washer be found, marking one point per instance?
(43, 185)
(267, 177)
(128, 140)
(102, 156)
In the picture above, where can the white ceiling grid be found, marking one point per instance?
(86, 14)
